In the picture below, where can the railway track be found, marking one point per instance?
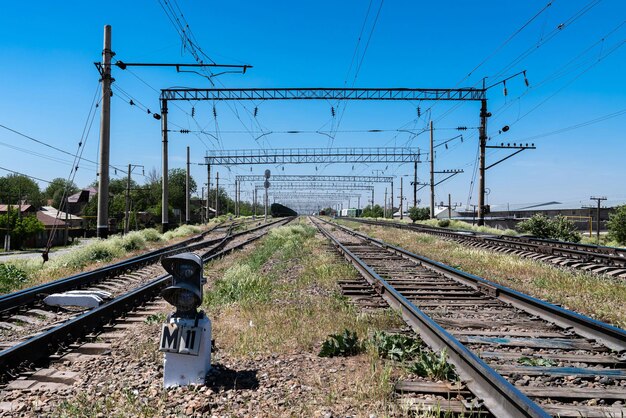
(610, 261)
(519, 356)
(56, 337)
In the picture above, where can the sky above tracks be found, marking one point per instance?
(573, 110)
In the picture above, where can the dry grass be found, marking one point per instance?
(598, 297)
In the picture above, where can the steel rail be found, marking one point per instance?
(609, 335)
(499, 396)
(16, 300)
(34, 350)
(608, 256)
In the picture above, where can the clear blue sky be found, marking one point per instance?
(48, 81)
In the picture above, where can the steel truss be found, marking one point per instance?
(320, 93)
(317, 186)
(315, 178)
(312, 156)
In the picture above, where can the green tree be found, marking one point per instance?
(373, 212)
(176, 182)
(617, 225)
(419, 214)
(16, 187)
(20, 227)
(558, 227)
(57, 188)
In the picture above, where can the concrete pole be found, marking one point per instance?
(164, 175)
(482, 137)
(401, 215)
(126, 218)
(217, 194)
(105, 137)
(266, 202)
(415, 184)
(372, 199)
(208, 189)
(385, 204)
(254, 202)
(358, 206)
(391, 198)
(598, 224)
(187, 193)
(449, 206)
(432, 171)
(202, 198)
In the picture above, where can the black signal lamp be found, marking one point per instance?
(185, 293)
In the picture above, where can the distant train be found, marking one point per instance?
(350, 213)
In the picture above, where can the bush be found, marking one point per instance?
(419, 214)
(345, 344)
(11, 277)
(434, 366)
(559, 228)
(151, 235)
(239, 284)
(396, 347)
(444, 223)
(617, 225)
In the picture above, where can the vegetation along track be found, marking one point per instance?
(36, 349)
(596, 259)
(519, 355)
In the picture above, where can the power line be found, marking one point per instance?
(25, 175)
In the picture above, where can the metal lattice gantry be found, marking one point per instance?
(319, 93)
(317, 186)
(312, 156)
(322, 93)
(316, 178)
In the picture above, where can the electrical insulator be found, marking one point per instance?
(462, 128)
(419, 112)
(332, 111)
(193, 112)
(131, 102)
(256, 111)
(525, 79)
(505, 91)
(214, 112)
(446, 146)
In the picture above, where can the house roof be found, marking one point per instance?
(84, 195)
(24, 208)
(51, 211)
(49, 221)
(552, 205)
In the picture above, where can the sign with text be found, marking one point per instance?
(180, 339)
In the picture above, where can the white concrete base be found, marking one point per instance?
(181, 369)
(82, 298)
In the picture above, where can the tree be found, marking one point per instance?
(57, 189)
(16, 187)
(372, 212)
(176, 182)
(419, 214)
(617, 225)
(558, 227)
(20, 227)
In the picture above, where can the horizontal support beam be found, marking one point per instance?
(314, 178)
(312, 156)
(320, 93)
(316, 186)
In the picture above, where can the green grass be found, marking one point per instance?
(33, 271)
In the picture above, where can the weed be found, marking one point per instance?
(345, 344)
(536, 361)
(11, 277)
(396, 347)
(433, 365)
(239, 284)
(157, 318)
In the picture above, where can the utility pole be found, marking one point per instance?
(401, 215)
(432, 171)
(415, 184)
(449, 206)
(208, 189)
(482, 138)
(187, 194)
(105, 137)
(164, 175)
(254, 203)
(391, 189)
(359, 203)
(127, 218)
(201, 199)
(598, 199)
(217, 194)
(385, 204)
(372, 199)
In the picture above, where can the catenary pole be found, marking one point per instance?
(164, 168)
(187, 203)
(105, 137)
(432, 171)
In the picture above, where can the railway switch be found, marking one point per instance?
(186, 336)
